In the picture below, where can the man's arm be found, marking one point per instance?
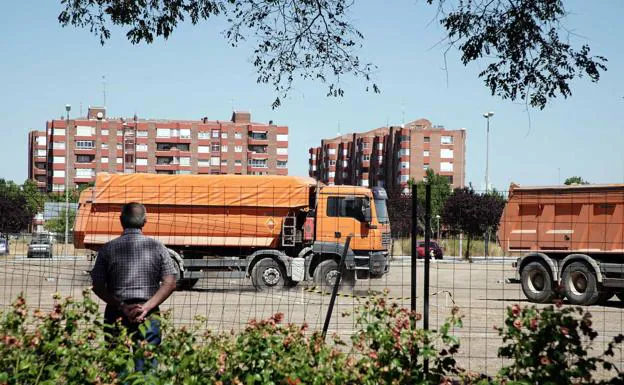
(166, 288)
(98, 278)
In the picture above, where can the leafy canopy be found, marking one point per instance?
(524, 43)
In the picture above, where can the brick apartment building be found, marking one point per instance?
(390, 156)
(117, 145)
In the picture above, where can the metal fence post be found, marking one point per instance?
(414, 253)
(334, 293)
(427, 260)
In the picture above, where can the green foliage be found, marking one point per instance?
(440, 191)
(575, 180)
(524, 44)
(472, 214)
(17, 211)
(67, 346)
(35, 199)
(57, 225)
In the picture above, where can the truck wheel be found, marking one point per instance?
(326, 273)
(267, 273)
(537, 283)
(580, 284)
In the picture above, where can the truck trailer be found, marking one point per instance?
(571, 238)
(278, 230)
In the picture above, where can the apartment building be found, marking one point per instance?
(95, 143)
(391, 156)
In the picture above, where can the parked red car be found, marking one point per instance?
(434, 250)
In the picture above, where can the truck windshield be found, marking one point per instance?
(382, 211)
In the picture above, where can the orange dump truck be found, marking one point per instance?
(571, 236)
(279, 230)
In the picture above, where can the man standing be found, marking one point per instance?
(127, 275)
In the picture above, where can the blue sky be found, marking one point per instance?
(195, 73)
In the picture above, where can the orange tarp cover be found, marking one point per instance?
(203, 190)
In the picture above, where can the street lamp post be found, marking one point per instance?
(67, 109)
(438, 220)
(487, 116)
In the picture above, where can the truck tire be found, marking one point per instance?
(580, 284)
(268, 274)
(537, 283)
(326, 273)
(620, 295)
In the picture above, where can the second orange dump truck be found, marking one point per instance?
(279, 230)
(571, 236)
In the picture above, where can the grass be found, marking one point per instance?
(450, 246)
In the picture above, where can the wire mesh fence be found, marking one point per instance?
(221, 233)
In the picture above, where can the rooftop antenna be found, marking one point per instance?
(403, 113)
(104, 89)
(338, 127)
(80, 109)
(232, 103)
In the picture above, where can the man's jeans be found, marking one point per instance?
(152, 333)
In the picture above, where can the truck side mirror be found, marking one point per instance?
(366, 210)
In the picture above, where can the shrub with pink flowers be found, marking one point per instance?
(67, 346)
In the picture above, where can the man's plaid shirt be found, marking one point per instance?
(132, 266)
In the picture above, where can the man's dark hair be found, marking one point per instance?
(133, 215)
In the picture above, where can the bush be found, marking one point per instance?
(67, 345)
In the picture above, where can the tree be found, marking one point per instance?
(73, 194)
(57, 225)
(523, 43)
(575, 180)
(15, 215)
(400, 213)
(472, 214)
(440, 191)
(35, 200)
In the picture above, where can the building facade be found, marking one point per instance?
(391, 156)
(96, 144)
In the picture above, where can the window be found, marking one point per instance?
(141, 162)
(282, 137)
(41, 140)
(223, 162)
(238, 135)
(366, 157)
(259, 163)
(449, 178)
(445, 153)
(426, 153)
(446, 139)
(345, 163)
(58, 159)
(332, 162)
(85, 144)
(347, 207)
(142, 134)
(313, 156)
(238, 162)
(41, 152)
(119, 160)
(331, 151)
(224, 148)
(345, 152)
(404, 152)
(104, 159)
(185, 133)
(84, 158)
(59, 131)
(58, 145)
(313, 167)
(404, 178)
(58, 173)
(58, 187)
(258, 149)
(105, 131)
(84, 173)
(282, 151)
(215, 161)
(203, 135)
(119, 146)
(364, 182)
(163, 133)
(84, 130)
(405, 138)
(238, 148)
(404, 165)
(427, 139)
(203, 163)
(282, 164)
(104, 146)
(183, 172)
(141, 147)
(255, 135)
(185, 161)
(224, 135)
(215, 148)
(203, 149)
(364, 144)
(446, 167)
(215, 133)
(380, 146)
(175, 132)
(332, 174)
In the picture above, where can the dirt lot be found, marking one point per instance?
(229, 301)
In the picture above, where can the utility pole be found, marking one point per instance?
(487, 117)
(67, 109)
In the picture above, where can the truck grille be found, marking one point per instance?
(386, 239)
